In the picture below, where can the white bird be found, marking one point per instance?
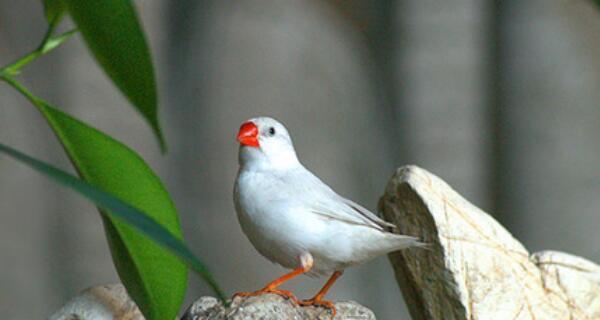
(294, 219)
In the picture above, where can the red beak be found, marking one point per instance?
(248, 135)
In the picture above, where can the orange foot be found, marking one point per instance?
(318, 302)
(283, 293)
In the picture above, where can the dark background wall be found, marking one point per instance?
(499, 98)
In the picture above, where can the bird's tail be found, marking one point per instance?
(383, 243)
(399, 242)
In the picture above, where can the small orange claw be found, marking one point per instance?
(273, 285)
(317, 302)
(283, 293)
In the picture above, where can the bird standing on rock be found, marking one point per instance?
(294, 219)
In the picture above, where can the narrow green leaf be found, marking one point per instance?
(113, 33)
(154, 278)
(121, 211)
(54, 11)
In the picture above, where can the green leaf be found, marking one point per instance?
(154, 278)
(113, 33)
(54, 11)
(121, 211)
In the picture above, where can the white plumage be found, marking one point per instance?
(292, 217)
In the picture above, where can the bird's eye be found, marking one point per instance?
(271, 131)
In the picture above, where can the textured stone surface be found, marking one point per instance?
(270, 306)
(105, 302)
(475, 269)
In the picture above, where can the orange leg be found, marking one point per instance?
(317, 300)
(272, 287)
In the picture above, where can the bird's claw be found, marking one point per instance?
(282, 293)
(320, 303)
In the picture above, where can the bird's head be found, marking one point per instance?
(265, 144)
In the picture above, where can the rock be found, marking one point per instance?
(475, 269)
(574, 279)
(270, 306)
(105, 302)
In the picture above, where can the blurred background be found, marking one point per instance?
(499, 98)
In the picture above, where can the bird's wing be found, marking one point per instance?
(320, 199)
(366, 213)
(341, 209)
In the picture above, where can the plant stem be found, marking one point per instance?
(51, 27)
(48, 44)
(38, 102)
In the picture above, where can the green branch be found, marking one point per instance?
(38, 102)
(48, 44)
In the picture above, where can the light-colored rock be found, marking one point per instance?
(105, 302)
(574, 279)
(271, 307)
(111, 302)
(475, 269)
